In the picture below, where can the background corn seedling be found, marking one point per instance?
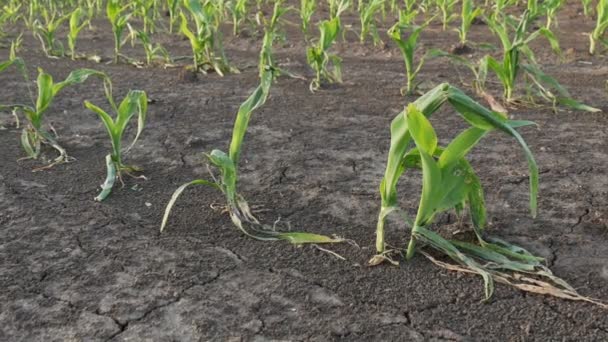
(238, 11)
(468, 14)
(46, 29)
(206, 40)
(227, 164)
(446, 10)
(601, 25)
(307, 9)
(77, 23)
(119, 18)
(408, 50)
(449, 182)
(34, 135)
(135, 103)
(327, 66)
(367, 16)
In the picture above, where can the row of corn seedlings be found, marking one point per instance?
(200, 21)
(36, 134)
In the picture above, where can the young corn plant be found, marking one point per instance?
(153, 51)
(468, 15)
(601, 25)
(238, 209)
(238, 11)
(46, 32)
(367, 17)
(450, 183)
(206, 40)
(77, 23)
(587, 8)
(446, 8)
(135, 103)
(34, 134)
(407, 45)
(326, 66)
(550, 8)
(173, 9)
(307, 9)
(119, 18)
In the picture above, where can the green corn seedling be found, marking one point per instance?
(468, 15)
(307, 9)
(238, 11)
(116, 14)
(513, 49)
(135, 103)
(446, 7)
(173, 8)
(367, 14)
(587, 9)
(76, 25)
(206, 40)
(601, 25)
(551, 7)
(153, 51)
(449, 182)
(46, 32)
(408, 50)
(34, 135)
(337, 7)
(326, 66)
(227, 164)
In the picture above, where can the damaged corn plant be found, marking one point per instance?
(450, 183)
(134, 103)
(34, 135)
(227, 163)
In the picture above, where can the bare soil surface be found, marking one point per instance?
(75, 269)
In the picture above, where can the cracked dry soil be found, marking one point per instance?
(76, 270)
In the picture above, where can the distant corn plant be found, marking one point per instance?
(468, 15)
(77, 23)
(46, 31)
(367, 17)
(206, 40)
(119, 18)
(307, 9)
(446, 9)
(406, 36)
(34, 135)
(327, 66)
(227, 164)
(135, 103)
(601, 25)
(450, 183)
(238, 11)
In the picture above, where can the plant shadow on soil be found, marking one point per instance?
(73, 268)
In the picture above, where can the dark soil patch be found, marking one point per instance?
(74, 269)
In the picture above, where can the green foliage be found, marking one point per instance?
(34, 135)
(326, 66)
(446, 8)
(206, 40)
(406, 36)
(601, 25)
(134, 103)
(76, 25)
(119, 18)
(46, 30)
(467, 16)
(449, 182)
(367, 13)
(307, 9)
(238, 11)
